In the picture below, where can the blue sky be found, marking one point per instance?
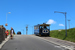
(33, 12)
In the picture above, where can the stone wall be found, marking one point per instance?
(2, 33)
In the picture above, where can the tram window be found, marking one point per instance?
(47, 27)
(36, 27)
(41, 26)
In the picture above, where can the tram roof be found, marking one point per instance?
(44, 24)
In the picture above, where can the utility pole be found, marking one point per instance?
(69, 23)
(65, 21)
(26, 29)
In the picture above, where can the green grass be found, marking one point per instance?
(61, 34)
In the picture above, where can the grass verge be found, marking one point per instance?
(61, 34)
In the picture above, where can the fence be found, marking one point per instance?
(2, 33)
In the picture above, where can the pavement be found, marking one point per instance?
(29, 42)
(2, 43)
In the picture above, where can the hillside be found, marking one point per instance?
(61, 34)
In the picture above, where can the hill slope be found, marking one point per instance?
(61, 34)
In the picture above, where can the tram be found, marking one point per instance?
(42, 29)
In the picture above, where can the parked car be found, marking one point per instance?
(19, 33)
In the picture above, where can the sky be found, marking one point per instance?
(33, 12)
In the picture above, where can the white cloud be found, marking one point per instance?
(50, 21)
(61, 25)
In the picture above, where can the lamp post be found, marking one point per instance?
(65, 20)
(26, 29)
(6, 18)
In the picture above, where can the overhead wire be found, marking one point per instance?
(71, 18)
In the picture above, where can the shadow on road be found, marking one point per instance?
(44, 36)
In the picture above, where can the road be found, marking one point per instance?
(29, 42)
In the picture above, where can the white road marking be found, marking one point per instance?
(59, 47)
(4, 42)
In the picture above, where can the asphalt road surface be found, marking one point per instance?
(29, 42)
